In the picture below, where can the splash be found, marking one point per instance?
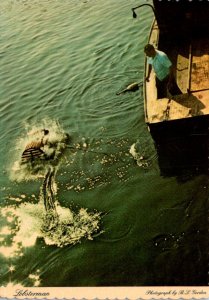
(31, 221)
(139, 155)
(35, 279)
(54, 149)
(46, 219)
(69, 228)
(13, 285)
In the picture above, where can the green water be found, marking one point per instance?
(64, 62)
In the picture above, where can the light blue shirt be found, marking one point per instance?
(161, 64)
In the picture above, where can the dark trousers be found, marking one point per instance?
(162, 88)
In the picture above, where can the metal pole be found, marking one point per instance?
(135, 15)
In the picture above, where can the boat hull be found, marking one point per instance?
(182, 145)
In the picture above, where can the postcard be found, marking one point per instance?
(104, 149)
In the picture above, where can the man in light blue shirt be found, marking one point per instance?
(163, 69)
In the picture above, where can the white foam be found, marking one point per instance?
(138, 155)
(14, 285)
(58, 225)
(56, 144)
(31, 222)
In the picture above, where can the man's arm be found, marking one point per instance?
(149, 71)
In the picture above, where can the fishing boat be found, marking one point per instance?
(179, 123)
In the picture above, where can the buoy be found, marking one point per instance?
(130, 88)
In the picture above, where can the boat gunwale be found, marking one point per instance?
(153, 25)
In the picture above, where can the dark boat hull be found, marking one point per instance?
(182, 145)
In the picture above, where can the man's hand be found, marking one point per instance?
(148, 73)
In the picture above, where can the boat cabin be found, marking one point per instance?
(179, 123)
(180, 29)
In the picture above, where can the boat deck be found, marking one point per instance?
(191, 62)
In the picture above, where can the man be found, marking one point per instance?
(163, 69)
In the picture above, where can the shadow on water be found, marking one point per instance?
(183, 148)
(183, 157)
(182, 153)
